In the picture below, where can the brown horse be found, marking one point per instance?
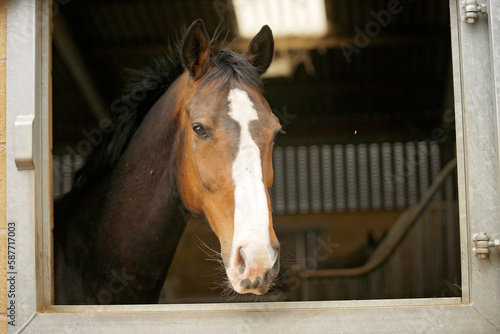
(206, 145)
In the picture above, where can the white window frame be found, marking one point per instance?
(476, 72)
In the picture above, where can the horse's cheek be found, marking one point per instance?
(190, 190)
(209, 174)
(267, 168)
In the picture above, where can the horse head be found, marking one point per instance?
(226, 165)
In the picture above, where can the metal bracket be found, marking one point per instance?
(23, 142)
(482, 244)
(472, 11)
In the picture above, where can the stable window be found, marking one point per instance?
(475, 81)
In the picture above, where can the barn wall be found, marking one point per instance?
(3, 264)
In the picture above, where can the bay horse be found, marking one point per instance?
(200, 143)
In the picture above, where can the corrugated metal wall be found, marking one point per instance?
(425, 264)
(350, 177)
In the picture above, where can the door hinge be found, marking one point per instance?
(482, 245)
(472, 11)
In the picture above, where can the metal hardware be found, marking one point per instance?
(23, 142)
(482, 243)
(472, 10)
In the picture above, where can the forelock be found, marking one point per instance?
(227, 67)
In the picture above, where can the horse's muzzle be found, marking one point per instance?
(254, 275)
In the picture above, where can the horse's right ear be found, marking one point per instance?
(195, 50)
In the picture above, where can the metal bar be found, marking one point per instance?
(364, 191)
(388, 176)
(398, 179)
(315, 174)
(338, 163)
(279, 181)
(291, 184)
(375, 186)
(494, 36)
(303, 175)
(284, 44)
(396, 233)
(352, 196)
(327, 174)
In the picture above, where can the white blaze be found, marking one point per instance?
(251, 212)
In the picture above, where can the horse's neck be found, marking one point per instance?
(143, 184)
(131, 220)
(143, 210)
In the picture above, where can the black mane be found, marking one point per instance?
(225, 66)
(145, 87)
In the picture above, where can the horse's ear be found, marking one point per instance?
(261, 49)
(195, 50)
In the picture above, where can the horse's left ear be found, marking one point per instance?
(261, 49)
(195, 50)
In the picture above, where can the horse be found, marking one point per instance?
(200, 143)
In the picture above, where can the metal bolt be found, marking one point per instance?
(481, 241)
(481, 253)
(472, 11)
(482, 236)
(482, 8)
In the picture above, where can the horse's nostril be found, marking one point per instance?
(242, 268)
(276, 264)
(258, 283)
(276, 247)
(267, 275)
(246, 283)
(241, 260)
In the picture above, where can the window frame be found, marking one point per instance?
(29, 206)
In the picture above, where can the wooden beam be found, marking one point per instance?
(66, 46)
(283, 44)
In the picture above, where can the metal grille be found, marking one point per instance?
(352, 177)
(425, 260)
(412, 271)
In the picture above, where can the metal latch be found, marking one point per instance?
(23, 142)
(483, 243)
(472, 10)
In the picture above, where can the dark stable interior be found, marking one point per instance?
(372, 97)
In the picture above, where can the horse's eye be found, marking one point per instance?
(199, 131)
